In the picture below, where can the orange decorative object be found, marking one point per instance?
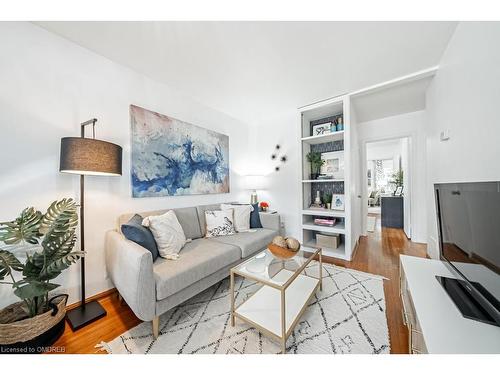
(281, 252)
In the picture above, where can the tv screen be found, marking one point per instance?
(469, 239)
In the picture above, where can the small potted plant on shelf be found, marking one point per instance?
(316, 162)
(264, 206)
(327, 200)
(47, 239)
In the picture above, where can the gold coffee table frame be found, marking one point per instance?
(282, 288)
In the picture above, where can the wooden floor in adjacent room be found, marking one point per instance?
(378, 253)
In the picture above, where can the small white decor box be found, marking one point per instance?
(338, 202)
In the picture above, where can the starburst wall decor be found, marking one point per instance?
(277, 156)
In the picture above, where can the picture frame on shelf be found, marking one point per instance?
(338, 202)
(399, 191)
(333, 165)
(321, 129)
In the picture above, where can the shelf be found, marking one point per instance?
(339, 252)
(323, 138)
(337, 228)
(323, 212)
(263, 308)
(324, 180)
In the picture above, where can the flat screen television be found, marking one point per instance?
(468, 216)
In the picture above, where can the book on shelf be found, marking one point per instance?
(325, 222)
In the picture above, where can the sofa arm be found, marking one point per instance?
(270, 221)
(130, 267)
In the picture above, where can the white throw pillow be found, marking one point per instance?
(219, 223)
(168, 234)
(241, 215)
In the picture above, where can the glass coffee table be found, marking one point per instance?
(284, 292)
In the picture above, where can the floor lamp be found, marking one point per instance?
(88, 156)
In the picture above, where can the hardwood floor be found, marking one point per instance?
(377, 253)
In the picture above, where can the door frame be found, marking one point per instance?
(412, 136)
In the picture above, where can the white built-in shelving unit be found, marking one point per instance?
(318, 111)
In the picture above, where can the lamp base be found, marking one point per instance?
(253, 198)
(82, 315)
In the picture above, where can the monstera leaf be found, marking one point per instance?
(8, 262)
(34, 289)
(56, 256)
(54, 268)
(59, 244)
(25, 227)
(60, 216)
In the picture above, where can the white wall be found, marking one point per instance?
(48, 87)
(464, 98)
(405, 125)
(283, 187)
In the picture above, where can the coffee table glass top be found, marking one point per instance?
(269, 269)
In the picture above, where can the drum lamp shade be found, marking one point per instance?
(87, 156)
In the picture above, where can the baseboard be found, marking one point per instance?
(95, 297)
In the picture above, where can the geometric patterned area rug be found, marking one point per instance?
(347, 316)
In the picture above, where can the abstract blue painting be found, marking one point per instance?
(173, 157)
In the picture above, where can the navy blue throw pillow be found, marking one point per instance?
(141, 235)
(255, 217)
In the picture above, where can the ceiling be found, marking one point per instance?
(257, 70)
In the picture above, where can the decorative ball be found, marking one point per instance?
(279, 241)
(292, 243)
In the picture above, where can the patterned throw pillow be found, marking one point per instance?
(219, 223)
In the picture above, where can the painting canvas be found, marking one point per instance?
(172, 157)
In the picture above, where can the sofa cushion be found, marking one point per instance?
(249, 242)
(220, 223)
(255, 217)
(201, 215)
(168, 233)
(198, 259)
(241, 215)
(188, 218)
(134, 231)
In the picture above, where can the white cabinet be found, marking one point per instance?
(435, 325)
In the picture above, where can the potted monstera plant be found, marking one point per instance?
(36, 321)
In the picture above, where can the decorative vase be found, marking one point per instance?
(22, 334)
(328, 206)
(317, 200)
(340, 124)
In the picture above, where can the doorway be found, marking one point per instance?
(387, 185)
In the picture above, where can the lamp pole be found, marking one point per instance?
(87, 312)
(82, 211)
